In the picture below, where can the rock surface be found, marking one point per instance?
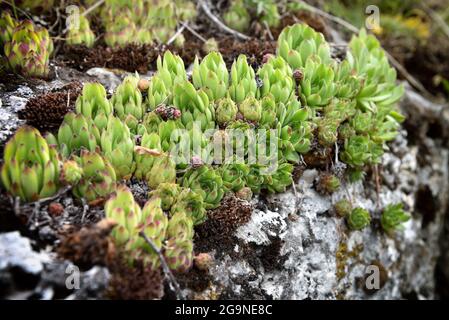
(294, 246)
(317, 257)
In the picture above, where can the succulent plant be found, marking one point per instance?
(360, 150)
(94, 104)
(162, 171)
(194, 105)
(171, 69)
(280, 179)
(31, 167)
(243, 83)
(192, 204)
(29, 49)
(294, 131)
(158, 92)
(225, 111)
(162, 19)
(145, 154)
(370, 62)
(358, 219)
(245, 194)
(71, 172)
(268, 12)
(211, 75)
(347, 81)
(143, 36)
(179, 254)
(277, 80)
(80, 33)
(125, 211)
(75, 132)
(154, 224)
(98, 178)
(269, 112)
(234, 176)
(327, 131)
(328, 183)
(120, 32)
(185, 10)
(297, 43)
(168, 193)
(7, 25)
(117, 146)
(127, 102)
(393, 216)
(206, 182)
(343, 208)
(210, 45)
(251, 109)
(317, 88)
(237, 16)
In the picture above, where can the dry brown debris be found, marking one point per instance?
(46, 111)
(89, 246)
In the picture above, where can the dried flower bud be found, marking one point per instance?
(143, 85)
(203, 261)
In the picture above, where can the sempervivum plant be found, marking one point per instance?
(211, 75)
(225, 111)
(234, 176)
(120, 32)
(294, 130)
(175, 198)
(173, 237)
(75, 132)
(207, 182)
(192, 204)
(162, 171)
(71, 172)
(154, 225)
(370, 62)
(125, 212)
(277, 80)
(118, 147)
(80, 33)
(393, 217)
(194, 105)
(298, 42)
(98, 178)
(167, 192)
(127, 102)
(243, 82)
(251, 109)
(31, 167)
(93, 104)
(317, 87)
(7, 25)
(179, 247)
(162, 19)
(145, 154)
(358, 219)
(29, 49)
(170, 70)
(237, 16)
(280, 179)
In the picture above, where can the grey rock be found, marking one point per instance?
(16, 252)
(320, 258)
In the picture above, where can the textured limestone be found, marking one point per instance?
(321, 259)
